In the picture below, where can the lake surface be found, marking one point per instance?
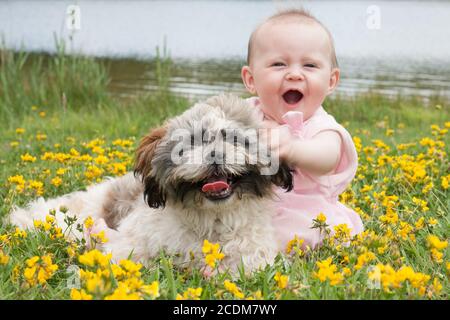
(390, 47)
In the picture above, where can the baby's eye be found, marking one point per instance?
(277, 64)
(310, 65)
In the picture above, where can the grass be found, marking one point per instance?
(61, 104)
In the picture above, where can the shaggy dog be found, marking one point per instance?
(185, 189)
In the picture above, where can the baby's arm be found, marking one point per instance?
(319, 155)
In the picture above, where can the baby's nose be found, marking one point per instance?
(294, 74)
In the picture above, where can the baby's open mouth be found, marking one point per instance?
(292, 96)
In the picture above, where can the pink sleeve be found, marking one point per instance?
(335, 183)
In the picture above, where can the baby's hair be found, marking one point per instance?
(300, 15)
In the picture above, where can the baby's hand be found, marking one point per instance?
(279, 138)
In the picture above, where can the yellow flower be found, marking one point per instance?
(4, 259)
(18, 233)
(122, 292)
(295, 245)
(190, 294)
(282, 280)
(364, 258)
(327, 271)
(93, 172)
(27, 158)
(61, 171)
(76, 294)
(19, 181)
(342, 233)
(32, 261)
(123, 143)
(445, 182)
(152, 290)
(437, 255)
(101, 160)
(346, 271)
(57, 181)
(321, 218)
(20, 130)
(437, 286)
(212, 254)
(39, 270)
(118, 168)
(99, 237)
(37, 186)
(233, 288)
(88, 222)
(94, 257)
(41, 137)
(42, 114)
(434, 242)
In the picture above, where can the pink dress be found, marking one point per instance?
(313, 194)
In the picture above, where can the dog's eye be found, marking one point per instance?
(180, 153)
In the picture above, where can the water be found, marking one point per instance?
(408, 52)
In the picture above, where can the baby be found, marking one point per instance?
(292, 68)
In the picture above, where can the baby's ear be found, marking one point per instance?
(247, 79)
(334, 80)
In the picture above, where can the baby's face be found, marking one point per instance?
(290, 68)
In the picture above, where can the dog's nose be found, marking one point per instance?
(215, 157)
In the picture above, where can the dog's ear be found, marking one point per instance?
(153, 195)
(146, 151)
(283, 178)
(143, 166)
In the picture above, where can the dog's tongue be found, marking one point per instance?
(215, 186)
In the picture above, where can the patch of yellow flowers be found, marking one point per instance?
(39, 270)
(102, 279)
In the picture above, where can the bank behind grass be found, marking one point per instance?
(61, 130)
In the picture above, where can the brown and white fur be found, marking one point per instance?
(161, 204)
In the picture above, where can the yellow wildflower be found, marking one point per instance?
(327, 271)
(212, 254)
(282, 280)
(27, 158)
(76, 294)
(233, 289)
(434, 242)
(190, 294)
(57, 181)
(4, 259)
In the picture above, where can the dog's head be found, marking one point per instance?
(210, 155)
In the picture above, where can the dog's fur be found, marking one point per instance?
(162, 206)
